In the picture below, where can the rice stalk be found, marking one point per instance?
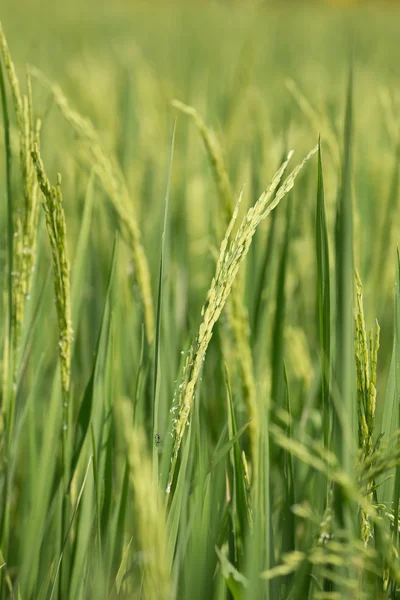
(56, 229)
(324, 461)
(10, 243)
(215, 156)
(236, 311)
(112, 179)
(151, 525)
(26, 229)
(13, 80)
(366, 353)
(24, 215)
(232, 253)
(22, 231)
(57, 233)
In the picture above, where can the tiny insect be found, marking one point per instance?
(157, 439)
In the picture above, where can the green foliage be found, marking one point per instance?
(247, 449)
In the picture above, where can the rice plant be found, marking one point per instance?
(200, 371)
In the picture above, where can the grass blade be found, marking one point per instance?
(345, 417)
(85, 411)
(156, 398)
(323, 293)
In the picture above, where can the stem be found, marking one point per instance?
(9, 395)
(10, 232)
(64, 484)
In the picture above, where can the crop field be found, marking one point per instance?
(199, 300)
